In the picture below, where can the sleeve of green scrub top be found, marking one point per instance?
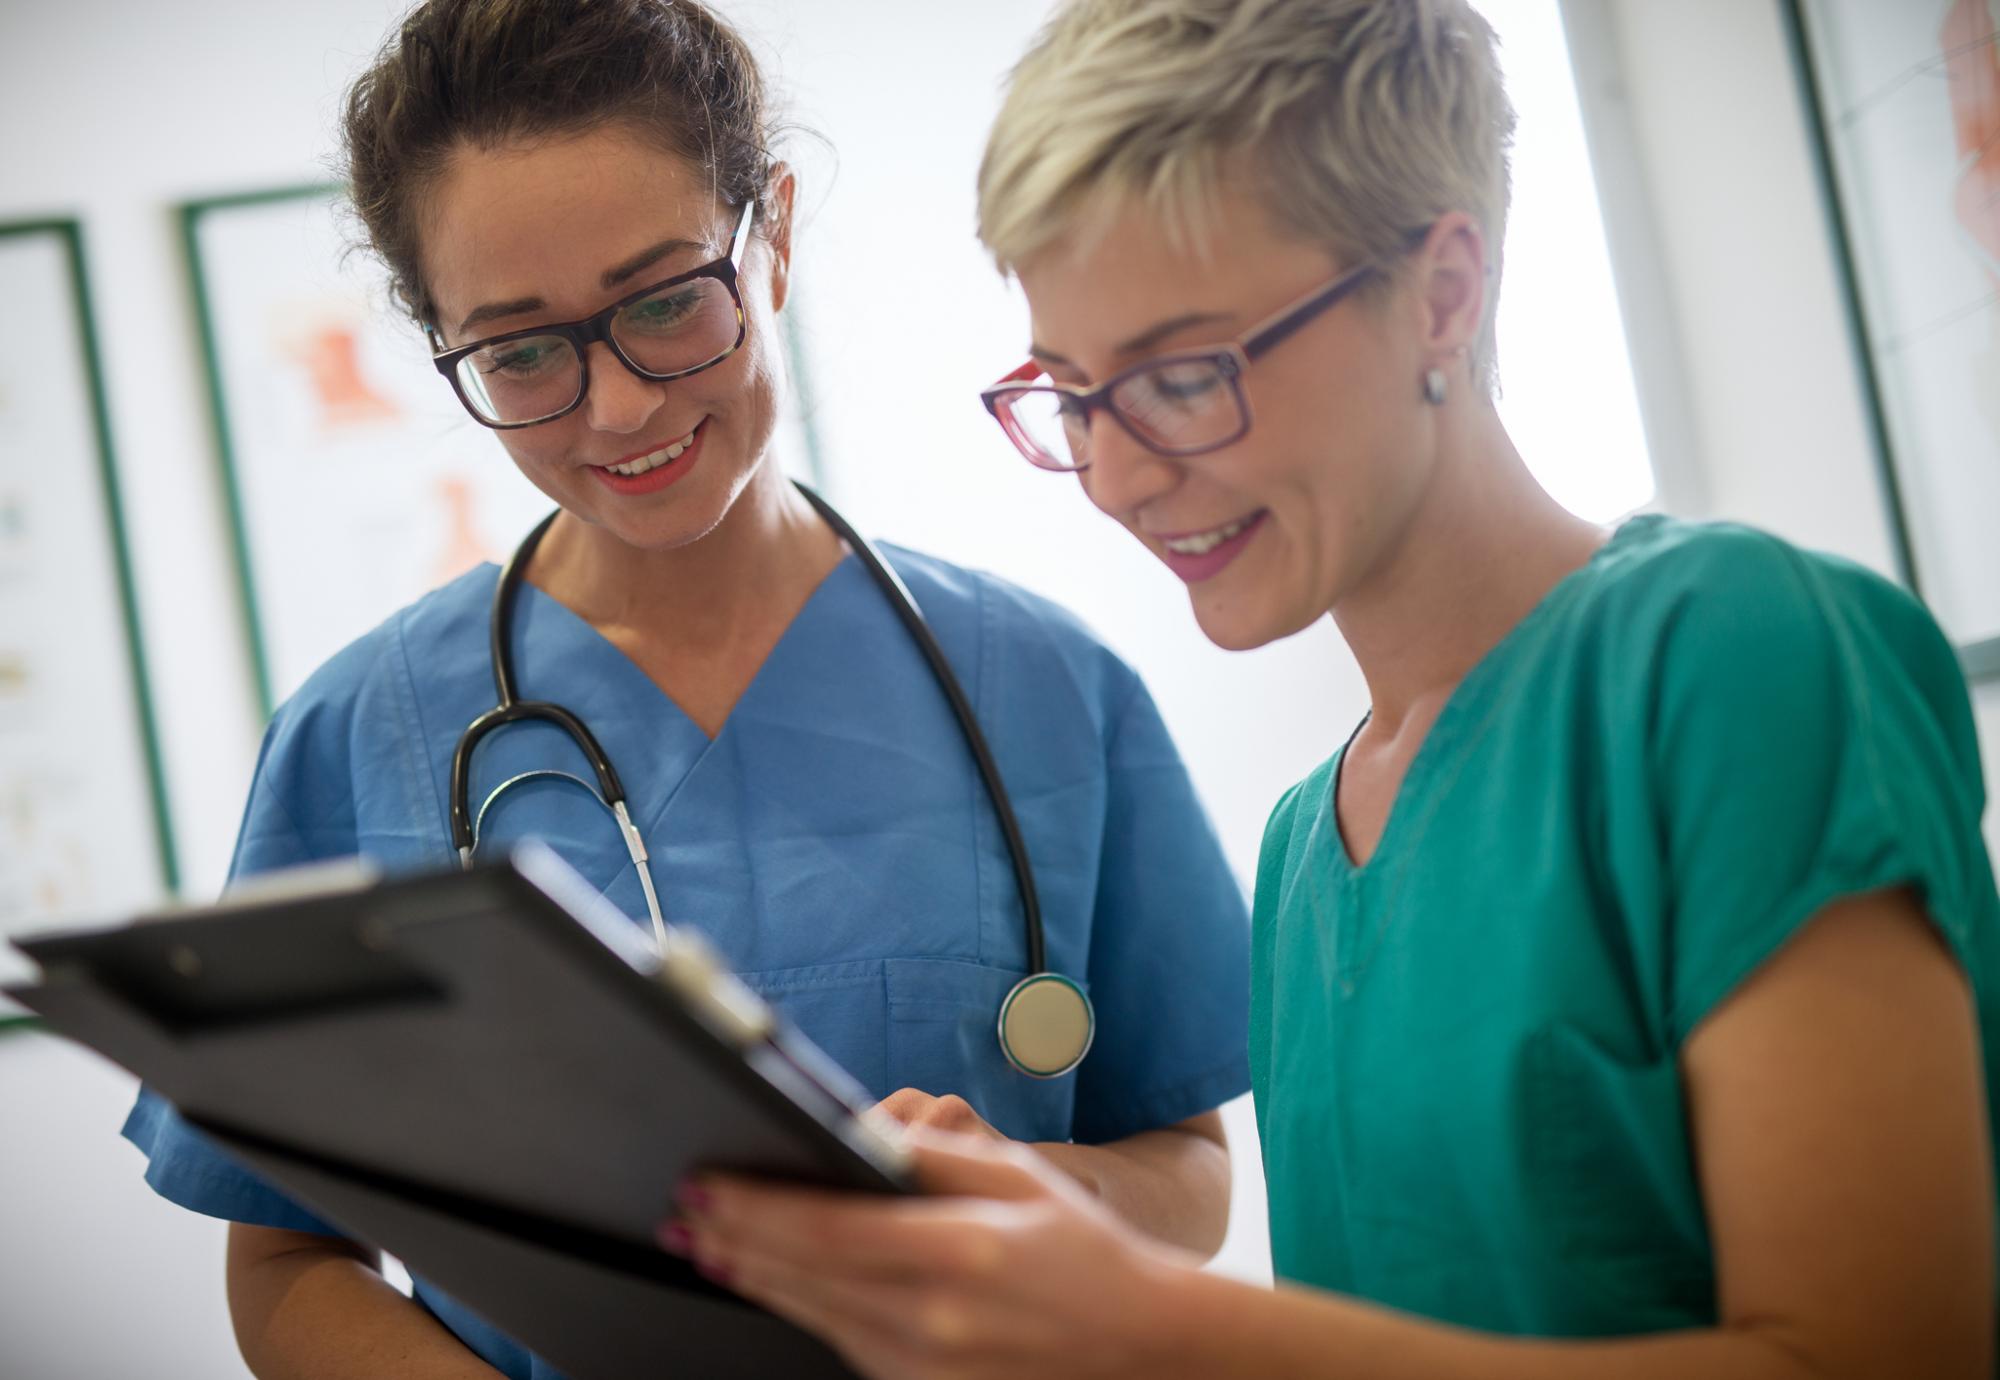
(184, 1166)
(1812, 739)
(1169, 960)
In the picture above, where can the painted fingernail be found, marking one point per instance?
(675, 1237)
(692, 1198)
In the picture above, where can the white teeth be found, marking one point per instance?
(1204, 542)
(655, 460)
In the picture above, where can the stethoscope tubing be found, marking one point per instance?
(906, 608)
(511, 709)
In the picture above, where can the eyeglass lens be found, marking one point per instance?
(1174, 406)
(682, 327)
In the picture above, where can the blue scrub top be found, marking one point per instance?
(833, 840)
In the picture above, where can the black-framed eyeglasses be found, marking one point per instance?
(688, 323)
(1184, 403)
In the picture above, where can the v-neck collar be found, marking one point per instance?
(631, 672)
(652, 743)
(1467, 711)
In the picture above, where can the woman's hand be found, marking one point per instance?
(914, 1107)
(1171, 1182)
(1006, 1268)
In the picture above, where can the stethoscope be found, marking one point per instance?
(1046, 1022)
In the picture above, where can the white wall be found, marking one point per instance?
(113, 112)
(98, 1278)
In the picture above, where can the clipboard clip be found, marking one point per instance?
(694, 972)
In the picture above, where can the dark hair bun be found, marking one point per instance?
(488, 72)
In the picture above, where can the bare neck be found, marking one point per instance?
(1484, 546)
(752, 571)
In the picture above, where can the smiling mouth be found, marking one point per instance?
(631, 469)
(1201, 543)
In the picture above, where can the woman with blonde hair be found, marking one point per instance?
(1620, 990)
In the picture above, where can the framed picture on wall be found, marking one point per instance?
(84, 832)
(1904, 106)
(355, 480)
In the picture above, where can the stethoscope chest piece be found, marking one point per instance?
(1046, 1025)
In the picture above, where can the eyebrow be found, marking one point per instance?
(610, 278)
(1147, 338)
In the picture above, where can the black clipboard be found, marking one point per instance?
(491, 1075)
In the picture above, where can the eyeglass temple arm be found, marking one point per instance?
(1292, 319)
(1026, 373)
(741, 238)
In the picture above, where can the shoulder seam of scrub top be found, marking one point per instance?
(1087, 663)
(1067, 637)
(276, 801)
(1114, 728)
(1807, 597)
(915, 568)
(1080, 639)
(1854, 689)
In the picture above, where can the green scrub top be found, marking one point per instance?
(1465, 1052)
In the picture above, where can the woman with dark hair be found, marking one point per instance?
(577, 203)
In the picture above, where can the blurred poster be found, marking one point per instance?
(83, 829)
(357, 481)
(1908, 97)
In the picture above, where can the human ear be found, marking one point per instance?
(779, 192)
(1451, 265)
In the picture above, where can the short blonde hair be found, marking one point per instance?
(1360, 122)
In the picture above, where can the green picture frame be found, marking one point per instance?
(66, 236)
(1868, 302)
(190, 216)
